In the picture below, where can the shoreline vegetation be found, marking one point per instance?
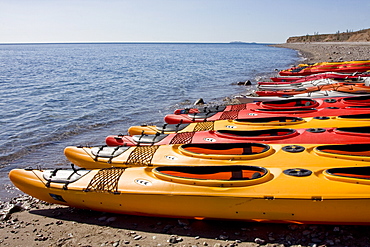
(347, 36)
(26, 221)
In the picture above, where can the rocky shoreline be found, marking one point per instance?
(330, 51)
(31, 222)
(25, 221)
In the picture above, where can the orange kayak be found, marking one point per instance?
(217, 154)
(334, 193)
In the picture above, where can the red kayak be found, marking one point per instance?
(348, 135)
(283, 103)
(288, 107)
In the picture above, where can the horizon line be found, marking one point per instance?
(132, 42)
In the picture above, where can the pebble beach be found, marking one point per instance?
(25, 221)
(330, 51)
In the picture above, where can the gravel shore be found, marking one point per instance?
(34, 223)
(327, 52)
(25, 221)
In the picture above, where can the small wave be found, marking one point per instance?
(61, 135)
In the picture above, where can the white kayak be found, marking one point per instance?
(250, 98)
(299, 85)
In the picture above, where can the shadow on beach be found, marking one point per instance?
(92, 226)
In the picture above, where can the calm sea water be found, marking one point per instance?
(55, 95)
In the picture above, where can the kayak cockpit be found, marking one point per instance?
(355, 117)
(286, 110)
(358, 175)
(270, 120)
(347, 151)
(290, 104)
(357, 131)
(267, 134)
(219, 176)
(226, 150)
(357, 100)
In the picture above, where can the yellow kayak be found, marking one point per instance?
(220, 154)
(256, 123)
(291, 194)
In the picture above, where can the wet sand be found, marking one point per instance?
(29, 222)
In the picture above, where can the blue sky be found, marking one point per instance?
(262, 21)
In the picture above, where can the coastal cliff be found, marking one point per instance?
(357, 36)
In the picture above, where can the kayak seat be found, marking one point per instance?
(303, 104)
(256, 175)
(247, 150)
(290, 103)
(238, 175)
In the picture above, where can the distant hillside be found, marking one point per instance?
(358, 36)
